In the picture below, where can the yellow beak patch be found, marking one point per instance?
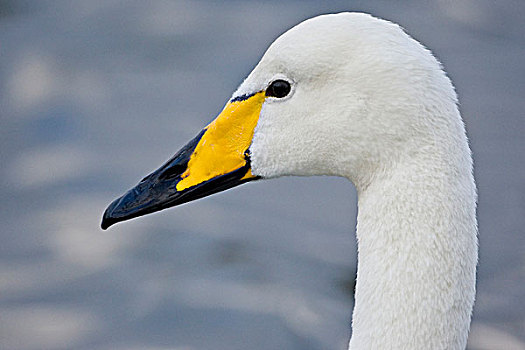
(222, 148)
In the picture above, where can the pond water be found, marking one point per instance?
(96, 94)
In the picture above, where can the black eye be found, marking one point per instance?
(279, 88)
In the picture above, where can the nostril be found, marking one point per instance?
(146, 178)
(173, 171)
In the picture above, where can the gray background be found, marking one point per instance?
(96, 94)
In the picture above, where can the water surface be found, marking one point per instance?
(96, 94)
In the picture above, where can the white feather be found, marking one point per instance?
(371, 104)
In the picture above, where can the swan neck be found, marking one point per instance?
(417, 256)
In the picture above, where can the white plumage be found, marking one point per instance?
(353, 96)
(371, 104)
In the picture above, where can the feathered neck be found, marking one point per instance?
(417, 252)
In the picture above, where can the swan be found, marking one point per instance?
(354, 96)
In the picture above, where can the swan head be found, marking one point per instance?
(335, 95)
(359, 90)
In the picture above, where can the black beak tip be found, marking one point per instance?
(106, 222)
(109, 218)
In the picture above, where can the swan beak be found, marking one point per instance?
(215, 160)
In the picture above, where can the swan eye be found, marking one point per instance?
(278, 88)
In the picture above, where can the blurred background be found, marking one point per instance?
(96, 94)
